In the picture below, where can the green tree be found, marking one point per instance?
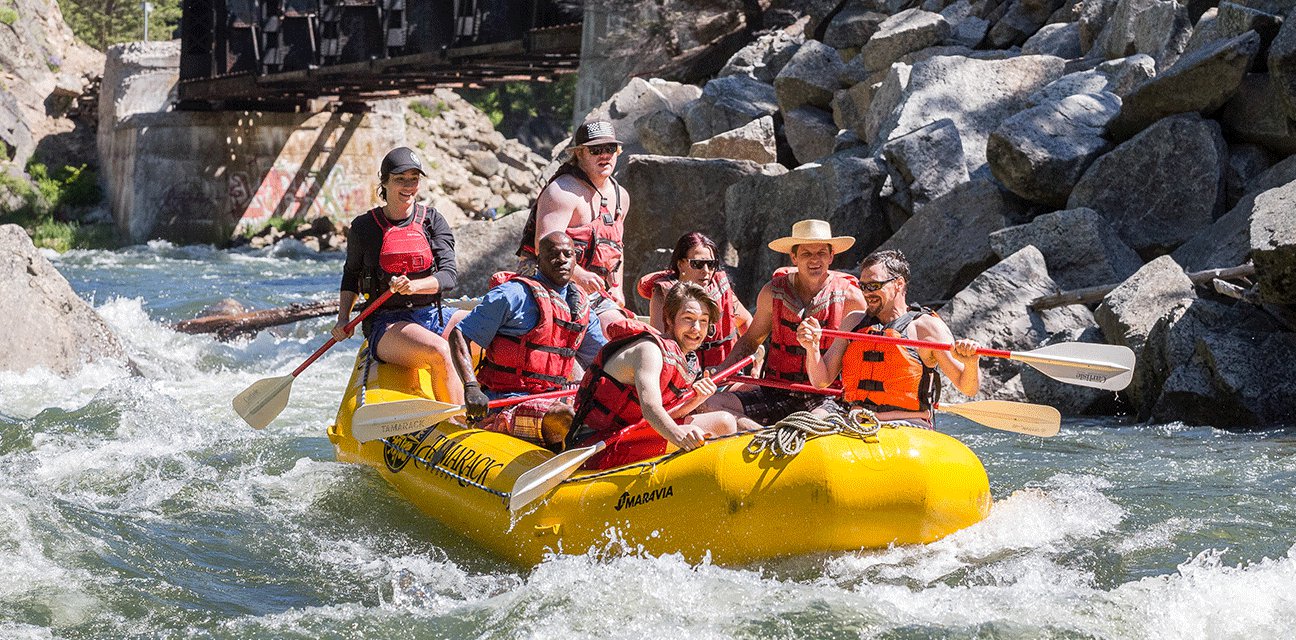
(510, 104)
(103, 23)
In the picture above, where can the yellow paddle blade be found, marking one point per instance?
(1019, 417)
(387, 419)
(262, 402)
(549, 474)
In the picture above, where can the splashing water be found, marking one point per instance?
(141, 506)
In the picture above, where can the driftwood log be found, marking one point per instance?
(230, 326)
(1090, 295)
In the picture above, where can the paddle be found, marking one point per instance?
(550, 473)
(1101, 366)
(1019, 417)
(261, 402)
(387, 419)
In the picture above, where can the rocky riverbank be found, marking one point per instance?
(1012, 150)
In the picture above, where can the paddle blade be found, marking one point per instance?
(548, 474)
(387, 419)
(1018, 417)
(1101, 366)
(260, 403)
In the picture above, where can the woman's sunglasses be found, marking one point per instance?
(704, 264)
(875, 286)
(602, 149)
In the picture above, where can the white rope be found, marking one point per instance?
(789, 435)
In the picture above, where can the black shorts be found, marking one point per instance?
(767, 406)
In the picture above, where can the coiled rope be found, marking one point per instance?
(788, 436)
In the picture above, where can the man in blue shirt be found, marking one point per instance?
(533, 329)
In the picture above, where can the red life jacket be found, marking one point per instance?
(405, 248)
(723, 334)
(786, 358)
(599, 242)
(541, 359)
(605, 406)
(889, 377)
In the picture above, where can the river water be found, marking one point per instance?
(142, 507)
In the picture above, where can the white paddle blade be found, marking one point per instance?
(1101, 366)
(548, 474)
(387, 419)
(1019, 417)
(262, 402)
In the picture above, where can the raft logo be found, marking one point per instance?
(626, 501)
(441, 455)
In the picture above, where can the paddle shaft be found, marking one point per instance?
(508, 402)
(370, 308)
(720, 376)
(788, 386)
(1028, 358)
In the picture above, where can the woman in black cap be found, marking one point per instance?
(409, 248)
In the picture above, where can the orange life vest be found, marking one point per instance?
(540, 359)
(786, 358)
(889, 377)
(723, 334)
(605, 405)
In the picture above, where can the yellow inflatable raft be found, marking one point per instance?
(839, 493)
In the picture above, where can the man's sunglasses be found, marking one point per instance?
(602, 149)
(876, 286)
(704, 264)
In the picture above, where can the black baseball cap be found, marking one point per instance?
(594, 132)
(400, 160)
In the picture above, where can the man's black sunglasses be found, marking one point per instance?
(875, 286)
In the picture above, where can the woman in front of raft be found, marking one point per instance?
(694, 260)
(641, 372)
(409, 248)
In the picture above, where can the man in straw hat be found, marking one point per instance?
(899, 384)
(584, 200)
(808, 290)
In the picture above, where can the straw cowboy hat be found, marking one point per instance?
(812, 232)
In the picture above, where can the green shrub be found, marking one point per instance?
(8, 16)
(49, 200)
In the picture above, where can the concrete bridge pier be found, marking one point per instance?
(201, 177)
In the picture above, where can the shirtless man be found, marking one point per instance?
(584, 200)
(897, 383)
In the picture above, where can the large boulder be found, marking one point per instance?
(728, 103)
(1273, 244)
(1040, 153)
(925, 165)
(810, 132)
(52, 327)
(1230, 383)
(905, 32)
(947, 241)
(1282, 65)
(1256, 114)
(1022, 20)
(809, 78)
(1201, 81)
(977, 95)
(763, 58)
(1159, 292)
(484, 247)
(994, 309)
(882, 103)
(1059, 39)
(1159, 28)
(841, 189)
(753, 141)
(1080, 248)
(1119, 76)
(852, 27)
(1184, 156)
(1227, 241)
(640, 98)
(674, 196)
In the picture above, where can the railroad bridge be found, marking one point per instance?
(280, 55)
